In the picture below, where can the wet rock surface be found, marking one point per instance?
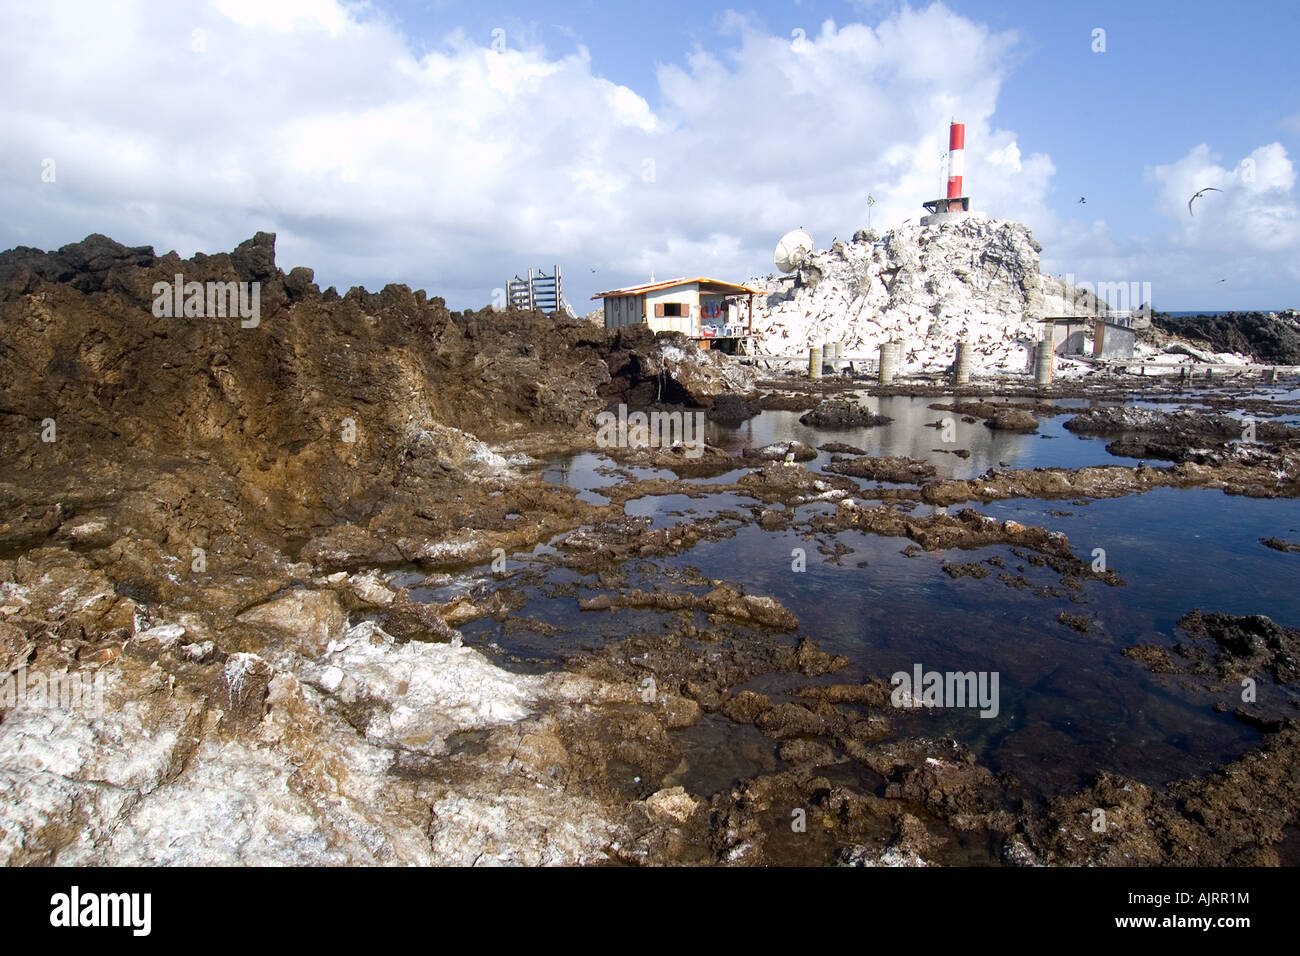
(898, 470)
(276, 549)
(838, 413)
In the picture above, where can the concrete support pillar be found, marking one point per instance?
(1270, 376)
(815, 362)
(961, 365)
(889, 353)
(1043, 360)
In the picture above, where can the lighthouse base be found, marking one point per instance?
(939, 218)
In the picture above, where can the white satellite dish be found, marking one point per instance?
(792, 250)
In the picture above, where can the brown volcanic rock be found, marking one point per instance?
(276, 404)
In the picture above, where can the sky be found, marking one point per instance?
(450, 145)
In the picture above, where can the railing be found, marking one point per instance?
(539, 291)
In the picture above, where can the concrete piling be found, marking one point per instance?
(1043, 356)
(889, 355)
(815, 362)
(961, 365)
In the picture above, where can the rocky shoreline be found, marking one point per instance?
(272, 542)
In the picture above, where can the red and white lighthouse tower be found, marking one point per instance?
(955, 201)
(956, 158)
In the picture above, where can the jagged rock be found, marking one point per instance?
(975, 280)
(243, 684)
(313, 618)
(254, 259)
(669, 368)
(671, 804)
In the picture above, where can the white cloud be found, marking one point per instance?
(453, 169)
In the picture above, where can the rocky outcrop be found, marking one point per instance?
(975, 280)
(1265, 336)
(668, 368)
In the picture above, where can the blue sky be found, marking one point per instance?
(1173, 75)
(450, 144)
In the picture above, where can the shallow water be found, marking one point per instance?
(1070, 703)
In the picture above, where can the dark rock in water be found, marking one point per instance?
(1267, 336)
(1125, 419)
(746, 706)
(1182, 436)
(1247, 644)
(974, 570)
(1148, 448)
(812, 661)
(1075, 621)
(779, 450)
(730, 409)
(1012, 420)
(1277, 544)
(838, 413)
(1155, 657)
(840, 448)
(893, 469)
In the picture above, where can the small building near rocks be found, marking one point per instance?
(701, 308)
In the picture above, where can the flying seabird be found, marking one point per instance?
(1083, 201)
(1199, 193)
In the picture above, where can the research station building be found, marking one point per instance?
(699, 307)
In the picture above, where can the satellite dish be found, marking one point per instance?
(792, 250)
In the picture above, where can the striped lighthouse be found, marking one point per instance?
(955, 204)
(956, 158)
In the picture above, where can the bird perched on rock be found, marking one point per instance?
(1198, 194)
